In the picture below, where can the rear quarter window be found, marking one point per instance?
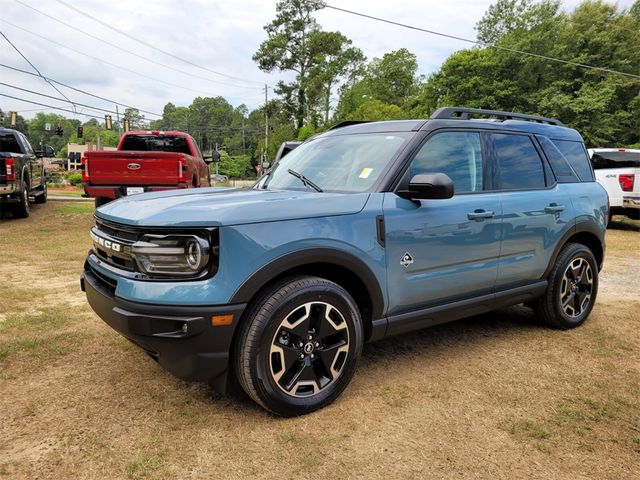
(576, 155)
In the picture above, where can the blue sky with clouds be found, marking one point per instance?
(220, 36)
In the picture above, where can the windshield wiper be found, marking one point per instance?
(307, 183)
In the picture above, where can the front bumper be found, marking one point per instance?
(631, 202)
(181, 339)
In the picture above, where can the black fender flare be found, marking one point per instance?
(310, 256)
(584, 226)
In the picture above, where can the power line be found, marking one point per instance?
(56, 98)
(153, 47)
(81, 91)
(102, 61)
(49, 106)
(76, 29)
(476, 42)
(34, 67)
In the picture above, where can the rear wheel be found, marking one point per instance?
(572, 289)
(300, 345)
(99, 201)
(22, 208)
(633, 213)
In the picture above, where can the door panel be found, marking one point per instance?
(451, 253)
(532, 224)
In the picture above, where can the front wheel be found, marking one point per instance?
(299, 346)
(572, 289)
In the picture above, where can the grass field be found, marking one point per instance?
(495, 396)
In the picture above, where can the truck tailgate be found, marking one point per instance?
(133, 168)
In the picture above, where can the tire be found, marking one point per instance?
(99, 201)
(633, 213)
(572, 288)
(42, 198)
(22, 208)
(299, 346)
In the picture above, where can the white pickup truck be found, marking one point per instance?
(618, 171)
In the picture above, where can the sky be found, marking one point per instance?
(218, 36)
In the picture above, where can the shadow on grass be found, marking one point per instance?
(624, 223)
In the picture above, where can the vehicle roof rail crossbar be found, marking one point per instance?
(451, 113)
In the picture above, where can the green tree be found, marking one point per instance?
(289, 47)
(136, 120)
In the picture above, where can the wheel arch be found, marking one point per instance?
(349, 272)
(585, 233)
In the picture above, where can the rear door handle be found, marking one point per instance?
(480, 214)
(553, 208)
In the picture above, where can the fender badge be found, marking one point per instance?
(406, 260)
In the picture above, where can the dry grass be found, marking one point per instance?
(495, 396)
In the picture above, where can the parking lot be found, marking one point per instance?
(494, 396)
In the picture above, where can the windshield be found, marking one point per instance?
(156, 143)
(342, 163)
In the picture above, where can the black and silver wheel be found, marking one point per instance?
(572, 289)
(22, 208)
(300, 345)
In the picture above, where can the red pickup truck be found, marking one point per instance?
(144, 162)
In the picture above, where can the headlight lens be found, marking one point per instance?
(175, 255)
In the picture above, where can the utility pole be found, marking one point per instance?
(243, 145)
(118, 120)
(266, 123)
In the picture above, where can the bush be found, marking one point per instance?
(75, 178)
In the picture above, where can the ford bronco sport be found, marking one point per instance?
(362, 232)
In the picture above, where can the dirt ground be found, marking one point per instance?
(495, 396)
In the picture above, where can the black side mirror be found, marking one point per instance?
(429, 186)
(47, 152)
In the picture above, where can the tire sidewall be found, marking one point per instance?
(271, 394)
(579, 251)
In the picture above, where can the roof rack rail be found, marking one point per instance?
(452, 113)
(347, 123)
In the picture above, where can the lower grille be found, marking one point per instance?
(106, 282)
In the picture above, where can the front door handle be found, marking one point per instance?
(553, 208)
(480, 214)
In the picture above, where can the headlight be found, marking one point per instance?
(176, 255)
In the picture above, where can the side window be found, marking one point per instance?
(27, 145)
(577, 157)
(457, 154)
(518, 165)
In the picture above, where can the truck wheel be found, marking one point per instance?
(299, 347)
(22, 209)
(99, 201)
(572, 289)
(42, 198)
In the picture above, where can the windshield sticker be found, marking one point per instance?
(366, 172)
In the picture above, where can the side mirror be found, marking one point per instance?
(429, 186)
(47, 152)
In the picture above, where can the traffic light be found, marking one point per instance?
(107, 122)
(59, 130)
(80, 132)
(14, 118)
(126, 125)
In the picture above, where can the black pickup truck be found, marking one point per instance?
(22, 174)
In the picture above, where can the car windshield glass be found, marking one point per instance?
(155, 143)
(619, 159)
(337, 163)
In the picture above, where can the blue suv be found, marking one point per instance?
(365, 231)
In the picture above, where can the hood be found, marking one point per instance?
(211, 207)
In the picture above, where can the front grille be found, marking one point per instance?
(106, 282)
(112, 244)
